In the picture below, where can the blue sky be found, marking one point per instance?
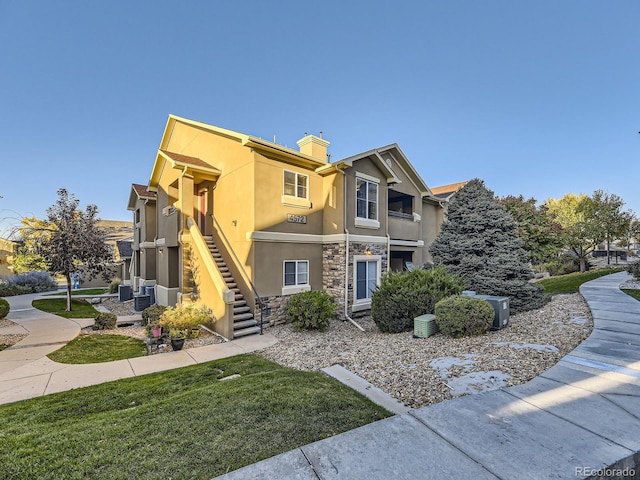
(536, 98)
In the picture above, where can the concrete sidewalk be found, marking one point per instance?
(578, 418)
(26, 372)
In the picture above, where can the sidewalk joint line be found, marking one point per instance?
(449, 442)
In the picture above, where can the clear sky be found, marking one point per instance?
(536, 98)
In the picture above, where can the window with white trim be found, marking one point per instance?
(296, 184)
(366, 279)
(366, 199)
(296, 272)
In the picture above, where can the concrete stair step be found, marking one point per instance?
(246, 331)
(244, 324)
(242, 317)
(241, 309)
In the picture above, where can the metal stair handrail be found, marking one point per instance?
(243, 272)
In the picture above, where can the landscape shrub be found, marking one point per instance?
(4, 308)
(563, 266)
(151, 315)
(115, 283)
(11, 289)
(634, 269)
(34, 282)
(105, 321)
(462, 316)
(184, 319)
(403, 296)
(310, 310)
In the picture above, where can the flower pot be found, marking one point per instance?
(157, 332)
(177, 343)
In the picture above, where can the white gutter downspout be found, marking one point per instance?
(346, 257)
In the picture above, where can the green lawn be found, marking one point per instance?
(183, 423)
(633, 293)
(88, 291)
(99, 348)
(58, 306)
(571, 283)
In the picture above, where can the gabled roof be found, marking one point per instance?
(256, 143)
(142, 192)
(447, 191)
(374, 155)
(404, 163)
(124, 248)
(179, 160)
(176, 160)
(139, 192)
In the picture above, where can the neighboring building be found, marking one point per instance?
(124, 252)
(446, 192)
(7, 251)
(142, 270)
(240, 223)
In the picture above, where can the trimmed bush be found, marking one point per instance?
(11, 289)
(32, 282)
(105, 321)
(37, 281)
(310, 310)
(151, 315)
(566, 264)
(4, 308)
(634, 269)
(403, 296)
(184, 320)
(462, 316)
(113, 286)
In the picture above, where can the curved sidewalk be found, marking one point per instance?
(578, 418)
(26, 372)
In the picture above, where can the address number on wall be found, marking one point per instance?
(293, 218)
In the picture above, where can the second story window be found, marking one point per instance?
(296, 184)
(366, 199)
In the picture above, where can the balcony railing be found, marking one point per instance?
(406, 216)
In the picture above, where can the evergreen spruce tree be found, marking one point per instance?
(479, 242)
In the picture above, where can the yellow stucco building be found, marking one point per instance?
(240, 224)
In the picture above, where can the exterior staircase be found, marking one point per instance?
(244, 322)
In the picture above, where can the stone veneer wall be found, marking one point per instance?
(277, 303)
(333, 274)
(334, 270)
(332, 279)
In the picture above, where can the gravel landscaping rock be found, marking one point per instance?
(416, 371)
(403, 366)
(9, 338)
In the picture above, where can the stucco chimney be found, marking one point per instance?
(313, 146)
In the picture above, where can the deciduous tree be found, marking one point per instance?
(542, 236)
(69, 239)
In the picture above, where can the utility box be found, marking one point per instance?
(151, 291)
(141, 302)
(500, 307)
(125, 292)
(425, 326)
